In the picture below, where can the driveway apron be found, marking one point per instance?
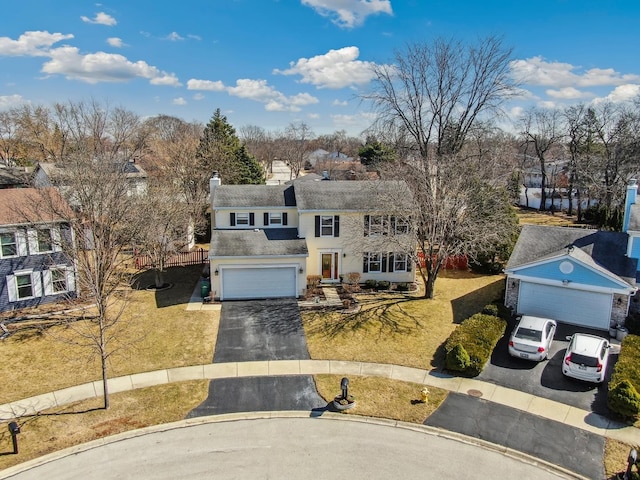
(572, 448)
(260, 331)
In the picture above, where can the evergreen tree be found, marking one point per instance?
(249, 169)
(217, 149)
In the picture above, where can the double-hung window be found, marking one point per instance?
(400, 262)
(24, 284)
(45, 240)
(326, 226)
(242, 219)
(377, 225)
(8, 245)
(275, 218)
(401, 226)
(374, 262)
(58, 280)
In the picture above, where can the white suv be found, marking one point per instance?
(586, 358)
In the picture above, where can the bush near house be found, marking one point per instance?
(623, 397)
(476, 337)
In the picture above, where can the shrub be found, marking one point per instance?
(457, 359)
(353, 278)
(371, 284)
(633, 323)
(383, 285)
(313, 281)
(402, 287)
(491, 310)
(624, 400)
(478, 335)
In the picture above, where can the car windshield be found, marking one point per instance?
(584, 360)
(529, 334)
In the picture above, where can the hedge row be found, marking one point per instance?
(623, 397)
(470, 345)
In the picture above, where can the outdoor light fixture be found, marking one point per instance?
(216, 272)
(301, 270)
(565, 282)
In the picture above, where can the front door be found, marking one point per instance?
(330, 266)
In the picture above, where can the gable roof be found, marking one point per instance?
(227, 196)
(256, 243)
(56, 171)
(20, 206)
(352, 195)
(599, 249)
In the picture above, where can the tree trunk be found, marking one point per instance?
(159, 278)
(103, 362)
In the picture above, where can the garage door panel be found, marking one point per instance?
(569, 305)
(270, 282)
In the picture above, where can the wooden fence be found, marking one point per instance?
(459, 262)
(194, 257)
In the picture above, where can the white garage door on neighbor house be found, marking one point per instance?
(578, 307)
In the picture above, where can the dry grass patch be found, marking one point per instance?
(401, 329)
(615, 457)
(82, 422)
(557, 219)
(383, 397)
(159, 333)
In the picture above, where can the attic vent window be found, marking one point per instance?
(566, 267)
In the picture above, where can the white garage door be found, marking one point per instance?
(568, 305)
(271, 282)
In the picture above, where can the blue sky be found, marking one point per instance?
(273, 62)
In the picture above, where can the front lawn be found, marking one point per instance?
(401, 329)
(159, 333)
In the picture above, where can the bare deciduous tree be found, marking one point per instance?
(434, 94)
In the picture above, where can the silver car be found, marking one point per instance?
(586, 358)
(531, 338)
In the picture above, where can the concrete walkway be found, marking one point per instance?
(515, 399)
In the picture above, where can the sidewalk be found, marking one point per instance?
(559, 412)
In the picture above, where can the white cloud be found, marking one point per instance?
(8, 101)
(194, 37)
(359, 121)
(195, 84)
(537, 71)
(548, 104)
(101, 18)
(568, 93)
(103, 67)
(258, 91)
(198, 96)
(313, 116)
(621, 94)
(349, 13)
(115, 42)
(32, 44)
(334, 69)
(339, 103)
(174, 37)
(179, 101)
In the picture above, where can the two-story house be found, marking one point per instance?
(266, 239)
(34, 269)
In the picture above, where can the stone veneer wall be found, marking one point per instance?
(511, 294)
(619, 308)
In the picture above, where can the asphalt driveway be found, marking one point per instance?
(254, 331)
(545, 379)
(577, 450)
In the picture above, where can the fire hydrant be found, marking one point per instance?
(423, 395)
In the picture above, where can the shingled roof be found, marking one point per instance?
(606, 249)
(346, 195)
(22, 206)
(259, 242)
(228, 196)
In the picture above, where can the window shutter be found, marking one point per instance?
(32, 241)
(391, 262)
(36, 280)
(384, 262)
(232, 219)
(265, 220)
(12, 288)
(21, 243)
(365, 263)
(317, 225)
(56, 239)
(48, 283)
(409, 262)
(366, 225)
(71, 279)
(336, 226)
(284, 218)
(252, 219)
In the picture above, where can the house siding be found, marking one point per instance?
(634, 251)
(579, 275)
(37, 263)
